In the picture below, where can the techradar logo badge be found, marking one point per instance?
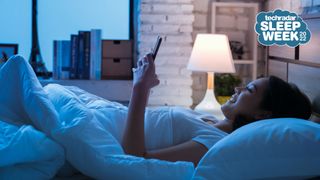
(281, 28)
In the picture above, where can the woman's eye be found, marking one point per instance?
(249, 89)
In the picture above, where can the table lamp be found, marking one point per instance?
(211, 53)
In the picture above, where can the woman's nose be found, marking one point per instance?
(238, 89)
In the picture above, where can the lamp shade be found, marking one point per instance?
(211, 53)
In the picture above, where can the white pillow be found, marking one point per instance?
(274, 148)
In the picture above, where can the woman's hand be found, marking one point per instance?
(144, 75)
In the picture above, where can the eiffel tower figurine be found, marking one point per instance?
(35, 58)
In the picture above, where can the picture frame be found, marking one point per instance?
(7, 50)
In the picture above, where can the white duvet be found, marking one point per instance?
(72, 118)
(26, 153)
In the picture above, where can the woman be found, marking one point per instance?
(261, 99)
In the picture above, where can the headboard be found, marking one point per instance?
(300, 65)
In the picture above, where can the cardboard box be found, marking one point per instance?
(116, 68)
(117, 48)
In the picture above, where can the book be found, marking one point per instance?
(65, 59)
(61, 59)
(95, 54)
(74, 56)
(80, 60)
(83, 63)
(55, 73)
(86, 55)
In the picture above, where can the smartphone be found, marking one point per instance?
(156, 47)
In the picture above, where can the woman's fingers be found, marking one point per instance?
(140, 62)
(145, 72)
(150, 58)
(147, 59)
(146, 65)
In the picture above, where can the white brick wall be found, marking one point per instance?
(200, 21)
(172, 8)
(201, 6)
(173, 20)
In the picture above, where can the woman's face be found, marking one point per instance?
(246, 100)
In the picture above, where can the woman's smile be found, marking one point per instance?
(233, 98)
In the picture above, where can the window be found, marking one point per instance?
(58, 19)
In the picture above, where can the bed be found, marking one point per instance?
(38, 157)
(300, 66)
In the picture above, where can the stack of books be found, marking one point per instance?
(79, 57)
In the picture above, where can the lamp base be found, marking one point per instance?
(210, 105)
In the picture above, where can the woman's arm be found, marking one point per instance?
(133, 139)
(144, 79)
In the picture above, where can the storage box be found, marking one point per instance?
(116, 68)
(117, 48)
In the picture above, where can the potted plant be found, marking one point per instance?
(224, 86)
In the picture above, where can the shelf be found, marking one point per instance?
(243, 61)
(230, 18)
(114, 90)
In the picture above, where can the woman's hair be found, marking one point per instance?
(282, 99)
